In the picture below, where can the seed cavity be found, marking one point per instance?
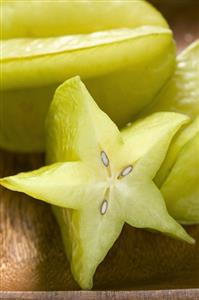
(104, 207)
(126, 171)
(104, 159)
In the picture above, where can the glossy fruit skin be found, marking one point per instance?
(134, 77)
(184, 136)
(181, 187)
(178, 176)
(41, 19)
(180, 93)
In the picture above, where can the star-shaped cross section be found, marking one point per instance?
(98, 178)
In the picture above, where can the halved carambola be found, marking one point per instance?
(124, 68)
(98, 179)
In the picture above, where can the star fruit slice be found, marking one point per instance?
(98, 179)
(113, 63)
(181, 186)
(56, 18)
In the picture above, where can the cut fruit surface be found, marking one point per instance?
(148, 132)
(112, 62)
(90, 129)
(108, 182)
(70, 186)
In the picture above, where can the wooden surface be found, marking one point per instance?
(32, 255)
(31, 251)
(192, 294)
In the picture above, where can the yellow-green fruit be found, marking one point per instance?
(124, 68)
(181, 186)
(44, 19)
(178, 176)
(181, 93)
(185, 135)
(98, 179)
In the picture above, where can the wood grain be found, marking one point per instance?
(192, 294)
(32, 255)
(144, 264)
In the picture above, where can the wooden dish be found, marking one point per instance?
(141, 265)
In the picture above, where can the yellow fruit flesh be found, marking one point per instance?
(109, 183)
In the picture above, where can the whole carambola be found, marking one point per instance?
(181, 92)
(99, 178)
(181, 187)
(124, 64)
(178, 176)
(44, 19)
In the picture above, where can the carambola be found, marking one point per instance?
(98, 178)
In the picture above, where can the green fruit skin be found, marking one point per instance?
(185, 135)
(135, 80)
(181, 188)
(44, 19)
(121, 85)
(178, 176)
(181, 93)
